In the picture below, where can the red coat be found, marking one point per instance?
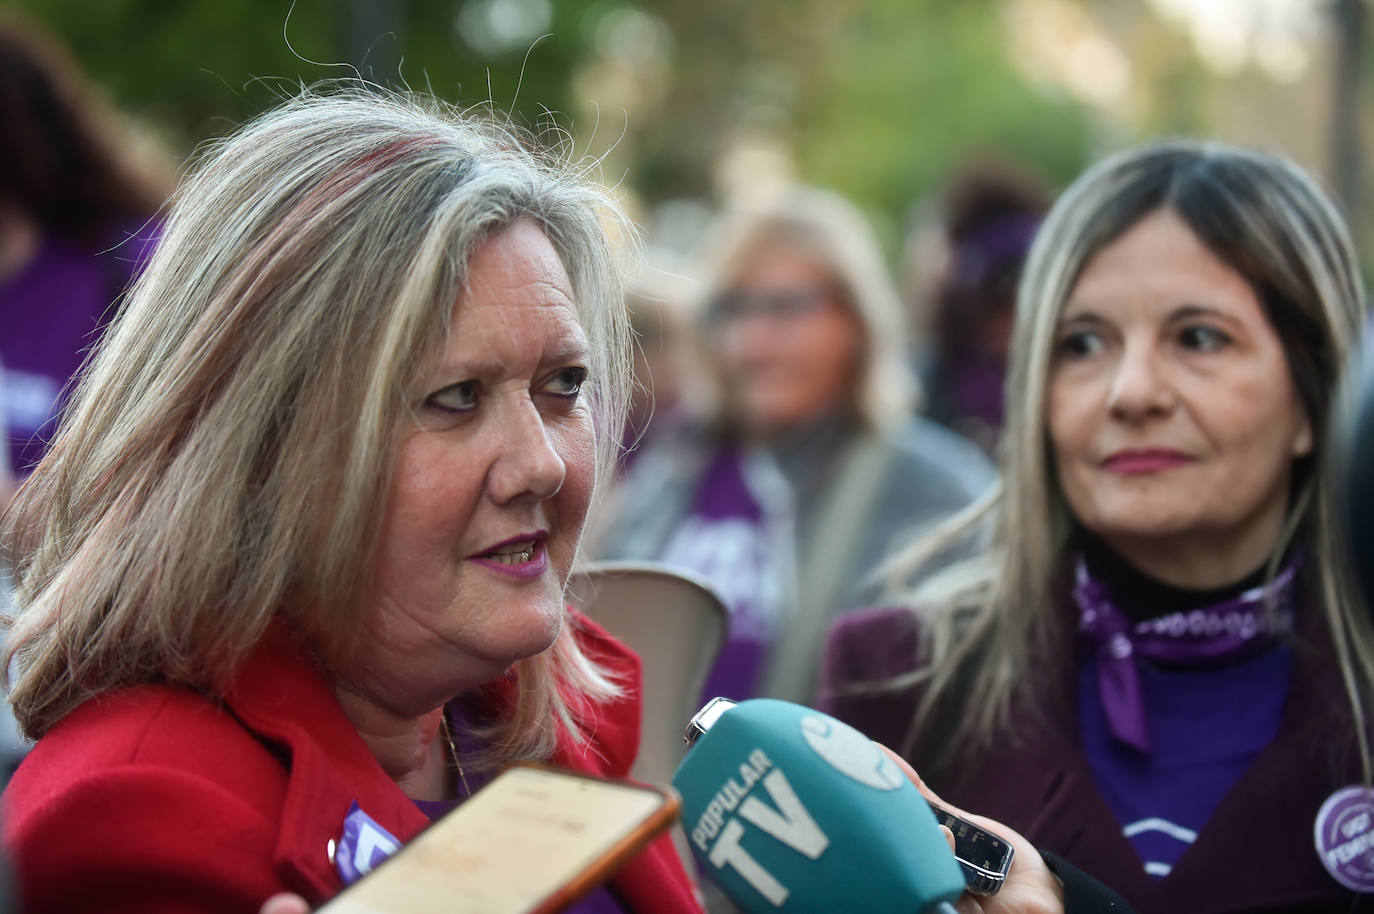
(157, 799)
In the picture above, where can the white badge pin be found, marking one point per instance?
(1344, 835)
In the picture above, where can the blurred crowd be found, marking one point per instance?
(780, 450)
(78, 218)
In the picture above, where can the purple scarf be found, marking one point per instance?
(1225, 631)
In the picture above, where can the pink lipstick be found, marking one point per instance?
(1141, 461)
(524, 557)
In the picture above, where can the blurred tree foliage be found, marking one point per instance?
(916, 88)
(878, 98)
(197, 69)
(187, 68)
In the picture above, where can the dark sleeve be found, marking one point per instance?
(864, 649)
(1082, 893)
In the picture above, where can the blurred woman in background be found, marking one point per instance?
(814, 466)
(991, 213)
(1159, 668)
(78, 196)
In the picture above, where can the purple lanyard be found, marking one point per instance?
(1229, 630)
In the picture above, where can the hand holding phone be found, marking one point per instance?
(984, 857)
(1028, 885)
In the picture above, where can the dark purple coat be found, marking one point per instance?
(1256, 853)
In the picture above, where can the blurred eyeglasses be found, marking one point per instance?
(780, 305)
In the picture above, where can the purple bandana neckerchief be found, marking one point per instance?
(1228, 630)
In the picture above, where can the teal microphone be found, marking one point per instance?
(789, 810)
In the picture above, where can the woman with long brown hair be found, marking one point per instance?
(1158, 666)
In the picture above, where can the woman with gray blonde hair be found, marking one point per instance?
(1159, 667)
(814, 464)
(294, 568)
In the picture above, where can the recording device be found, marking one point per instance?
(789, 810)
(984, 857)
(532, 841)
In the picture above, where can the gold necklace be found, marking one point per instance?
(453, 750)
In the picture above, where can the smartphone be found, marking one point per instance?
(984, 857)
(533, 841)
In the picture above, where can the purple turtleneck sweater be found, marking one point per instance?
(1206, 724)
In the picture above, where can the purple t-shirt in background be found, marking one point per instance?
(51, 313)
(725, 538)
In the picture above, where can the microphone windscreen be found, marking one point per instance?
(790, 810)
